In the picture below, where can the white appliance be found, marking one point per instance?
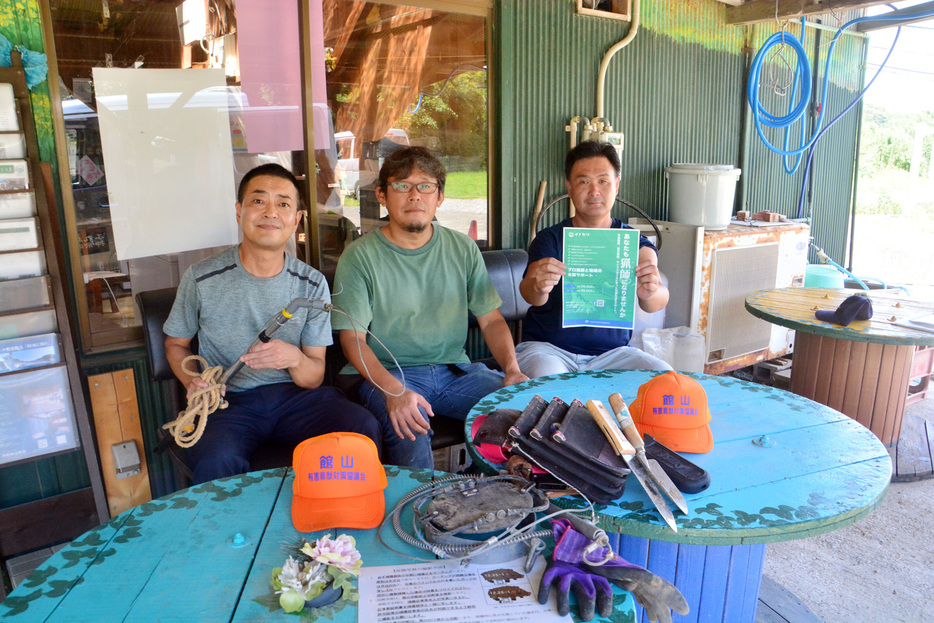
(711, 272)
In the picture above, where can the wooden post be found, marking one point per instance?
(116, 420)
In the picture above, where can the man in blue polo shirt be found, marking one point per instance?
(592, 172)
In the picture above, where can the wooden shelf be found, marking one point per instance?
(44, 528)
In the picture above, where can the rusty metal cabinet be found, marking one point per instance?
(711, 272)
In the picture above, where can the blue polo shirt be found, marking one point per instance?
(543, 323)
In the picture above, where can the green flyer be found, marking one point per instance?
(600, 282)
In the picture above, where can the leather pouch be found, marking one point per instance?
(495, 428)
(582, 463)
(549, 421)
(528, 418)
(579, 470)
(585, 481)
(580, 434)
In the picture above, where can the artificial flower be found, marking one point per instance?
(332, 562)
(289, 575)
(340, 552)
(292, 602)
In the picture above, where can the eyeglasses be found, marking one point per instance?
(424, 188)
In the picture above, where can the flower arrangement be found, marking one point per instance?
(323, 564)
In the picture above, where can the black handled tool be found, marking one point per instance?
(272, 326)
(687, 476)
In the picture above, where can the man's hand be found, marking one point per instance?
(647, 279)
(196, 385)
(404, 415)
(176, 351)
(274, 354)
(650, 291)
(514, 376)
(545, 274)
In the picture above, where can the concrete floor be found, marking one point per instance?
(879, 569)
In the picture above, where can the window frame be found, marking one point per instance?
(478, 8)
(131, 337)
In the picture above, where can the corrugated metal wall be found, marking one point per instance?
(828, 194)
(677, 92)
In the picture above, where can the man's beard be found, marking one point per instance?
(416, 228)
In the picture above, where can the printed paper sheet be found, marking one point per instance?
(450, 592)
(600, 282)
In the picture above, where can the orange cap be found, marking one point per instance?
(339, 483)
(673, 409)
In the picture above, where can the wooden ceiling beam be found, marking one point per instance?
(907, 16)
(754, 11)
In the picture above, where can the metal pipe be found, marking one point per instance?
(859, 131)
(312, 246)
(270, 329)
(909, 15)
(605, 63)
(834, 29)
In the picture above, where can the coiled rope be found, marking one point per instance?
(189, 425)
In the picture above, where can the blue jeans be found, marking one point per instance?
(449, 393)
(282, 412)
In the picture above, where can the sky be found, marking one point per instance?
(906, 85)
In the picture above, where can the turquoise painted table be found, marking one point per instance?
(783, 467)
(201, 554)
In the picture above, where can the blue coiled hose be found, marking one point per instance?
(803, 76)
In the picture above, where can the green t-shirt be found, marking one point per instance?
(414, 300)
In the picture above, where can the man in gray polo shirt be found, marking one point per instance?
(226, 300)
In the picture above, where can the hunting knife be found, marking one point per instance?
(624, 449)
(652, 466)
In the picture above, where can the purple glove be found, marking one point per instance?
(593, 592)
(656, 595)
(570, 546)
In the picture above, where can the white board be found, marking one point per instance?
(165, 135)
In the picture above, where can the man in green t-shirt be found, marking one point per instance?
(411, 283)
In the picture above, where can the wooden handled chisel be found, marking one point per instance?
(623, 448)
(656, 473)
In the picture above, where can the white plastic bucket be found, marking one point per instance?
(701, 194)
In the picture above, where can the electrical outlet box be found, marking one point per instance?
(617, 9)
(615, 139)
(126, 459)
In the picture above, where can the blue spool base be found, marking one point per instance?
(719, 582)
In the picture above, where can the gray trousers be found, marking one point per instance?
(542, 358)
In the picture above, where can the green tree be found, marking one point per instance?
(452, 116)
(888, 139)
(886, 150)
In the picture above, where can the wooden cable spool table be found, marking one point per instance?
(206, 554)
(863, 369)
(783, 467)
